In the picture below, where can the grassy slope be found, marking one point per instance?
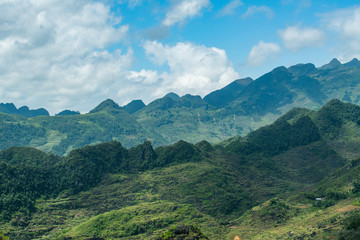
(302, 221)
(303, 217)
(144, 221)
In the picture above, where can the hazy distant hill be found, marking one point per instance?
(67, 112)
(23, 111)
(134, 106)
(236, 109)
(263, 185)
(62, 133)
(222, 97)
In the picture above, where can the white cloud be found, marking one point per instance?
(134, 3)
(261, 52)
(346, 24)
(52, 53)
(144, 76)
(252, 10)
(230, 8)
(130, 3)
(184, 9)
(192, 68)
(295, 38)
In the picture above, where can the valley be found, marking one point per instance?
(263, 185)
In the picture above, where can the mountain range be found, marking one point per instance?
(280, 160)
(23, 111)
(236, 109)
(297, 178)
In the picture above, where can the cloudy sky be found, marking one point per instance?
(66, 54)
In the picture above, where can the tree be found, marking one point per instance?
(351, 227)
(2, 237)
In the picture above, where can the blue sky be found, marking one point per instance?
(64, 54)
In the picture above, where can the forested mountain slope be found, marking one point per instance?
(107, 191)
(236, 109)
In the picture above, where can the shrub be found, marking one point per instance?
(351, 227)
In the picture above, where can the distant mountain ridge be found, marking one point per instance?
(23, 111)
(237, 109)
(134, 106)
(108, 104)
(228, 93)
(67, 113)
(334, 63)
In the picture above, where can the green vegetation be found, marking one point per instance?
(67, 112)
(222, 97)
(63, 133)
(24, 177)
(23, 111)
(143, 221)
(134, 106)
(290, 179)
(183, 232)
(237, 109)
(278, 137)
(263, 185)
(2, 237)
(273, 213)
(306, 222)
(351, 227)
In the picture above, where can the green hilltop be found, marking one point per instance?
(260, 186)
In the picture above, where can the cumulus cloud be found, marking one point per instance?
(193, 68)
(345, 23)
(295, 38)
(230, 8)
(184, 9)
(261, 52)
(144, 76)
(53, 53)
(252, 10)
